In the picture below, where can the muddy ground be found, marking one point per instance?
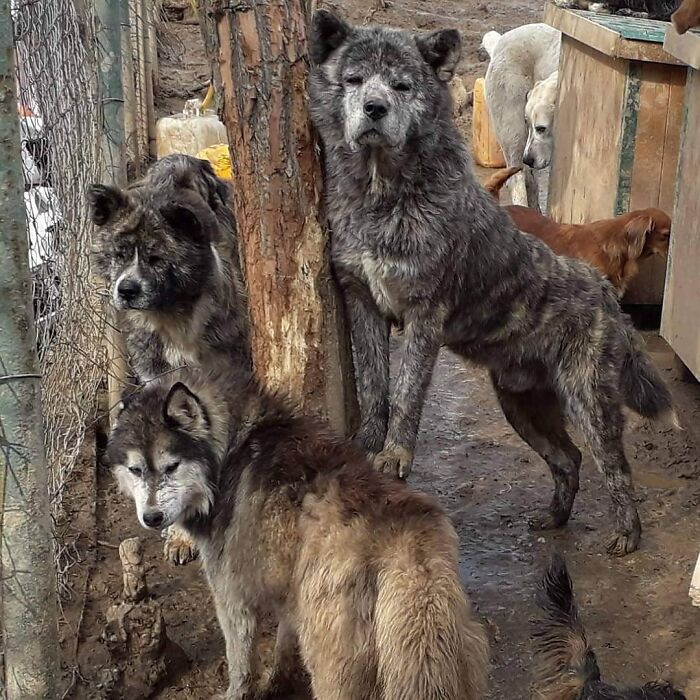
(636, 609)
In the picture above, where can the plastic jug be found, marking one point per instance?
(188, 133)
(487, 151)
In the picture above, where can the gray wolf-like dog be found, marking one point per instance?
(359, 571)
(416, 238)
(166, 246)
(566, 667)
(167, 249)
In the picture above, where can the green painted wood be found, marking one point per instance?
(628, 138)
(633, 28)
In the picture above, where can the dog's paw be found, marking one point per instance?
(179, 549)
(622, 543)
(544, 520)
(394, 460)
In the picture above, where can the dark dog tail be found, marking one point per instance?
(498, 179)
(643, 389)
(564, 663)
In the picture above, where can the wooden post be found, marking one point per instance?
(299, 338)
(110, 15)
(28, 606)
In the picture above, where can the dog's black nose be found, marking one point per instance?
(376, 110)
(153, 518)
(129, 289)
(528, 160)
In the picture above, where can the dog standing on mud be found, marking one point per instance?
(414, 237)
(166, 247)
(360, 571)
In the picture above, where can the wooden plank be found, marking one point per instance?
(685, 48)
(633, 28)
(656, 147)
(584, 175)
(672, 139)
(680, 321)
(654, 96)
(628, 136)
(587, 27)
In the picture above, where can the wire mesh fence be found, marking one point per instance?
(61, 105)
(58, 110)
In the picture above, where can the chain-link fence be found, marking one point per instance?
(57, 109)
(61, 108)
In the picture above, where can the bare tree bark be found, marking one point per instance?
(299, 337)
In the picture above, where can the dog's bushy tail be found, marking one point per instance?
(564, 662)
(494, 184)
(488, 43)
(642, 387)
(429, 644)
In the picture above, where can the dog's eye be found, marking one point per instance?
(136, 471)
(170, 469)
(354, 80)
(540, 129)
(120, 255)
(402, 87)
(153, 259)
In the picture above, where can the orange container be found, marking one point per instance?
(487, 152)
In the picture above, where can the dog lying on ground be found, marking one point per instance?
(415, 237)
(686, 16)
(358, 568)
(613, 246)
(645, 9)
(566, 666)
(520, 59)
(166, 247)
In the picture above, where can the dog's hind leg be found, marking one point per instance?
(537, 417)
(506, 95)
(601, 421)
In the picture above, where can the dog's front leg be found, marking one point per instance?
(370, 346)
(423, 336)
(239, 625)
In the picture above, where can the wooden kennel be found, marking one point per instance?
(618, 125)
(680, 320)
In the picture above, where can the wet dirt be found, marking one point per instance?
(636, 610)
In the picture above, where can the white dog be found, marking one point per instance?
(520, 59)
(539, 117)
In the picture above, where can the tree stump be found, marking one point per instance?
(299, 337)
(135, 633)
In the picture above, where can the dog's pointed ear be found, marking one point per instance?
(636, 232)
(182, 218)
(328, 32)
(185, 411)
(105, 201)
(441, 50)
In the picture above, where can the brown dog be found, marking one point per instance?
(613, 246)
(686, 16)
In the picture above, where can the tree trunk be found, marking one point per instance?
(299, 337)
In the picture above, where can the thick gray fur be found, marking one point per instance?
(189, 306)
(416, 238)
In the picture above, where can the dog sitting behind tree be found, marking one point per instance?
(166, 247)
